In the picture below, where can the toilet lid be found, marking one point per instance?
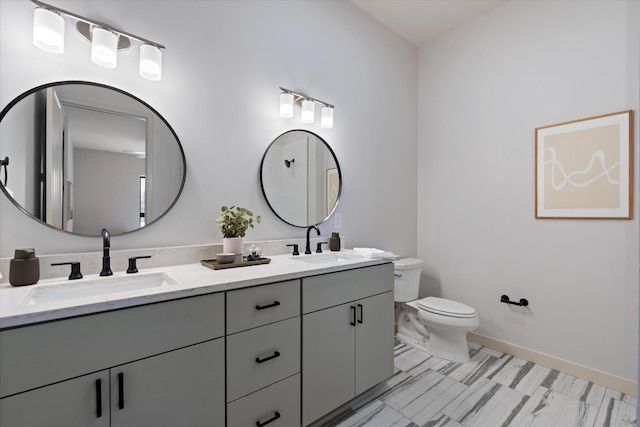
(446, 307)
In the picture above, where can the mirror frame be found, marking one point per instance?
(328, 147)
(31, 91)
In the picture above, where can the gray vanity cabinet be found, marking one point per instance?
(71, 403)
(178, 388)
(171, 389)
(347, 336)
(170, 355)
(263, 355)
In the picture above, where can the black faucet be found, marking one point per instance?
(307, 249)
(106, 259)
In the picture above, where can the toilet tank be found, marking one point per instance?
(407, 279)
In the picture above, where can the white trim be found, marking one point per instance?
(598, 377)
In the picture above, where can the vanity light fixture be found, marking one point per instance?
(48, 30)
(308, 111)
(48, 34)
(326, 118)
(286, 104)
(104, 47)
(289, 98)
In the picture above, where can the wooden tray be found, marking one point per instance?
(212, 263)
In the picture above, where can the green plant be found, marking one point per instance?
(234, 221)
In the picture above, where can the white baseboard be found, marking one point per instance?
(598, 377)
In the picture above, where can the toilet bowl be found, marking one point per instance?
(435, 325)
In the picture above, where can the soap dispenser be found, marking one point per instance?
(24, 268)
(334, 241)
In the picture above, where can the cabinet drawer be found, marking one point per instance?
(247, 351)
(333, 289)
(33, 356)
(252, 307)
(279, 402)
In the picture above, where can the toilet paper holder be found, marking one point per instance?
(523, 302)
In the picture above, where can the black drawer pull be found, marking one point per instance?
(121, 390)
(353, 315)
(98, 398)
(262, 307)
(273, 356)
(276, 415)
(361, 309)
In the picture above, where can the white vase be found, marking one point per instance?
(234, 245)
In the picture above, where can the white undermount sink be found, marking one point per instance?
(326, 258)
(95, 287)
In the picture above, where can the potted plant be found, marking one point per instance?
(233, 223)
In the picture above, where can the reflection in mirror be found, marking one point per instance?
(86, 156)
(301, 178)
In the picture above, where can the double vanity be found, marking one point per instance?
(280, 344)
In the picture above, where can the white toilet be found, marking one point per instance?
(436, 325)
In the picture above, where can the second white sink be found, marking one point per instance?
(95, 287)
(327, 258)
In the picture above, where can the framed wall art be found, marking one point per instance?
(333, 188)
(584, 168)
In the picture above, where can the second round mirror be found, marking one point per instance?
(301, 178)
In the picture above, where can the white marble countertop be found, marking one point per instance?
(190, 280)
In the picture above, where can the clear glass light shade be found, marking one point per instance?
(104, 47)
(48, 30)
(308, 109)
(326, 118)
(150, 62)
(286, 104)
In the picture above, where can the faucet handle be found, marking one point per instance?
(133, 268)
(295, 249)
(319, 247)
(75, 269)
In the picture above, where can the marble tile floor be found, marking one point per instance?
(492, 390)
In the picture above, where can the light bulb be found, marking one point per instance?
(150, 62)
(48, 30)
(104, 47)
(326, 118)
(286, 104)
(308, 108)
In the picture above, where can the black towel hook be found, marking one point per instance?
(288, 163)
(523, 302)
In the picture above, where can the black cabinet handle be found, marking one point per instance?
(276, 415)
(353, 315)
(273, 356)
(361, 310)
(98, 398)
(262, 307)
(121, 390)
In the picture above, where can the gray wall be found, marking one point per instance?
(222, 68)
(484, 88)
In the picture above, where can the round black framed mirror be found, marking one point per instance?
(83, 156)
(301, 178)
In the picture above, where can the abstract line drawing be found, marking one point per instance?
(584, 168)
(567, 178)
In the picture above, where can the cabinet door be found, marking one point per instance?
(374, 340)
(328, 341)
(180, 388)
(80, 402)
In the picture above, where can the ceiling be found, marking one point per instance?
(420, 21)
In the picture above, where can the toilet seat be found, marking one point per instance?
(445, 307)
